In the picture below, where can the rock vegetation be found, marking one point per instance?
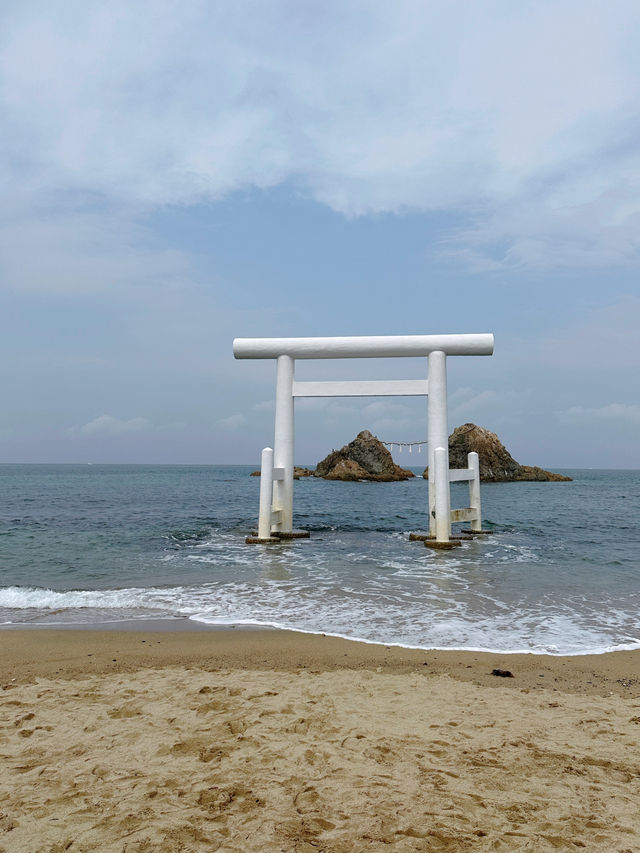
(365, 458)
(497, 465)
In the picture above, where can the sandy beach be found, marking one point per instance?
(242, 740)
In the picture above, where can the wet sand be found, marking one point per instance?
(189, 740)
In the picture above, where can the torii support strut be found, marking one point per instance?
(286, 350)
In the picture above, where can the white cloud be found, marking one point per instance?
(530, 232)
(265, 406)
(620, 413)
(386, 408)
(398, 429)
(82, 251)
(109, 425)
(519, 117)
(465, 403)
(233, 422)
(391, 420)
(605, 338)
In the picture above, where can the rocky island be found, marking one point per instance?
(497, 465)
(365, 458)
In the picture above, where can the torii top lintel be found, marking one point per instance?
(376, 346)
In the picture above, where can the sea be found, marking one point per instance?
(102, 545)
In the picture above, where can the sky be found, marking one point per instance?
(177, 174)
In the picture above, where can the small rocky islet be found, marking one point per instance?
(366, 458)
(497, 465)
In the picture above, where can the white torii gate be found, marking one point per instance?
(276, 487)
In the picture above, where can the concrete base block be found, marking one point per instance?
(276, 536)
(292, 534)
(426, 537)
(257, 540)
(477, 532)
(442, 546)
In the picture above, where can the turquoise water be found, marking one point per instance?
(98, 543)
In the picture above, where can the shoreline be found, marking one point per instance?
(180, 624)
(32, 652)
(167, 624)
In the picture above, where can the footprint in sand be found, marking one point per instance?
(218, 799)
(203, 749)
(125, 711)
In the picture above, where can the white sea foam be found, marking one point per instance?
(22, 598)
(375, 615)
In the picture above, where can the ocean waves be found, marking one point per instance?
(396, 592)
(145, 548)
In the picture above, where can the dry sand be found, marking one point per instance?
(275, 741)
